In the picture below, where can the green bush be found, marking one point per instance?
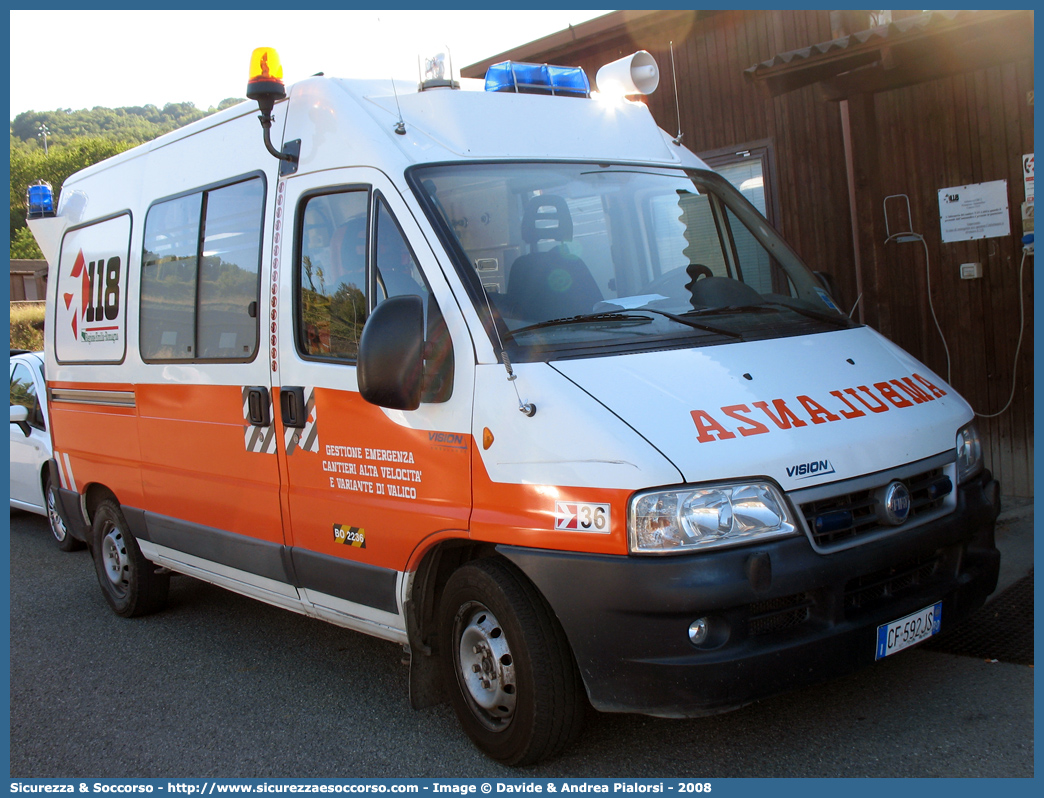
(27, 321)
(23, 245)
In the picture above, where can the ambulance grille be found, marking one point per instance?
(775, 615)
(848, 516)
(889, 583)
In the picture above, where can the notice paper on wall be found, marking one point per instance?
(967, 213)
(1027, 206)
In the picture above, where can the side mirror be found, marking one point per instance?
(827, 281)
(20, 416)
(391, 354)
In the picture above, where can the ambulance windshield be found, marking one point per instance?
(573, 258)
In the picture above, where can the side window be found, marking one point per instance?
(750, 168)
(201, 275)
(332, 304)
(397, 272)
(229, 272)
(23, 392)
(168, 279)
(684, 231)
(705, 232)
(759, 269)
(335, 287)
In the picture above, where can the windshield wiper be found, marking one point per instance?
(839, 320)
(771, 307)
(694, 324)
(581, 319)
(627, 315)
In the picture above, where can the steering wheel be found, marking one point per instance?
(672, 283)
(695, 272)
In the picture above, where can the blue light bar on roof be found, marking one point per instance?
(39, 199)
(523, 78)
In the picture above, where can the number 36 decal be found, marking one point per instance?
(582, 517)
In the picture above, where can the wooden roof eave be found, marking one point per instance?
(590, 34)
(882, 62)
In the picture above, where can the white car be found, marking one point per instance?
(31, 487)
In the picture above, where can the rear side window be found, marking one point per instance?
(200, 274)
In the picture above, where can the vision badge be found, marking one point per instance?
(350, 535)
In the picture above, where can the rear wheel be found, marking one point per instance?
(508, 667)
(129, 582)
(66, 542)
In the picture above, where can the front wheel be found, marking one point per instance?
(129, 582)
(65, 541)
(508, 667)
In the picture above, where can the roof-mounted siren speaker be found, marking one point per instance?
(633, 74)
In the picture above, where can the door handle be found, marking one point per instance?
(292, 405)
(259, 407)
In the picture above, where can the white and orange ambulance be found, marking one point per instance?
(502, 373)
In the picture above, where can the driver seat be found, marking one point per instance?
(552, 284)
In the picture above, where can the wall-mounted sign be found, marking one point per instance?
(1027, 176)
(977, 211)
(1027, 206)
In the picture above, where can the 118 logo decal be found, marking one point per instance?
(99, 297)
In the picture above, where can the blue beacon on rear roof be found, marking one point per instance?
(39, 199)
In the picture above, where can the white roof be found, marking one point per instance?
(477, 124)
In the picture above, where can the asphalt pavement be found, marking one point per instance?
(218, 685)
(1014, 535)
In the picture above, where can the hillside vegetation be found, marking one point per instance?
(77, 139)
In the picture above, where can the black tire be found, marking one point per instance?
(507, 665)
(130, 583)
(65, 541)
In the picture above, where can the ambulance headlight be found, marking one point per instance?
(969, 453)
(707, 517)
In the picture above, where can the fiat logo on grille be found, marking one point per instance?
(896, 503)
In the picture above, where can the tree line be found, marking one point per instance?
(76, 140)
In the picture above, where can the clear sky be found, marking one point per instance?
(81, 59)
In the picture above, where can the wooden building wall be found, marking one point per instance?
(961, 130)
(28, 280)
(967, 129)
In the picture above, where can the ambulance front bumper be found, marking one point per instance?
(780, 615)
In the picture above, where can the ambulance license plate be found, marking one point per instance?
(897, 635)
